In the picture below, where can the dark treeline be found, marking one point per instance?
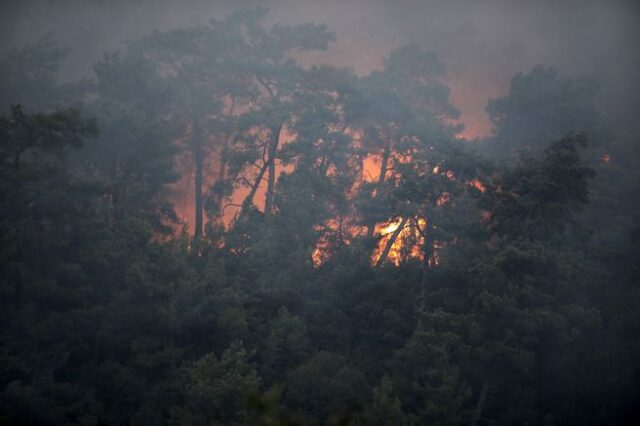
(489, 282)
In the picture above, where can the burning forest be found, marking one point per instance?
(224, 214)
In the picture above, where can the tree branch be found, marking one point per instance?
(390, 242)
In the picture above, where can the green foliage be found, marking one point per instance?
(430, 382)
(508, 310)
(287, 344)
(385, 408)
(325, 386)
(541, 196)
(542, 106)
(215, 389)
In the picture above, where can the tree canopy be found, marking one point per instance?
(349, 260)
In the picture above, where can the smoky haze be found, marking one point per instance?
(319, 212)
(482, 43)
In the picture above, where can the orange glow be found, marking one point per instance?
(478, 185)
(321, 252)
(389, 228)
(333, 234)
(443, 199)
(466, 94)
(406, 246)
(435, 259)
(471, 99)
(181, 194)
(606, 158)
(371, 168)
(478, 131)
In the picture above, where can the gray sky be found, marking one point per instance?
(482, 42)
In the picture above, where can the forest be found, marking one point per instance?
(210, 230)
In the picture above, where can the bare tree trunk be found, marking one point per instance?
(427, 251)
(198, 160)
(249, 198)
(392, 239)
(218, 193)
(383, 167)
(222, 175)
(381, 177)
(271, 182)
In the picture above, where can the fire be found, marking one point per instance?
(478, 185)
(334, 233)
(606, 158)
(443, 199)
(181, 194)
(435, 259)
(406, 246)
(471, 98)
(371, 168)
(320, 252)
(390, 227)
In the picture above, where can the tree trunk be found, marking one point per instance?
(222, 173)
(427, 251)
(249, 198)
(383, 167)
(218, 195)
(271, 182)
(392, 239)
(383, 172)
(198, 161)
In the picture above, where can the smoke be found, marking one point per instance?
(483, 43)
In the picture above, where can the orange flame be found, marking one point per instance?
(406, 246)
(334, 233)
(478, 185)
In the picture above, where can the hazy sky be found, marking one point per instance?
(482, 42)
